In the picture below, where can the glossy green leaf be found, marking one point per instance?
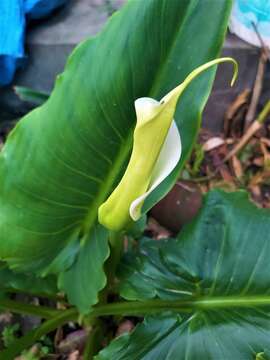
(210, 286)
(86, 277)
(63, 159)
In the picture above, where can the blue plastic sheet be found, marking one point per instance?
(12, 23)
(36, 9)
(13, 17)
(246, 14)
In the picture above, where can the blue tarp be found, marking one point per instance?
(35, 9)
(13, 17)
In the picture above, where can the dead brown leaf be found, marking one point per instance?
(74, 341)
(124, 327)
(237, 167)
(256, 194)
(265, 141)
(226, 174)
(266, 154)
(75, 355)
(241, 100)
(213, 143)
(258, 161)
(158, 231)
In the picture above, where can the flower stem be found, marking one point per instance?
(116, 240)
(94, 341)
(116, 249)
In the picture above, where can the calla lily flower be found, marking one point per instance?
(156, 152)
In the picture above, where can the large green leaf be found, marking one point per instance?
(211, 287)
(86, 277)
(64, 158)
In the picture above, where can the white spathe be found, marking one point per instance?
(167, 159)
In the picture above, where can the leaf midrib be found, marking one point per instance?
(203, 303)
(146, 307)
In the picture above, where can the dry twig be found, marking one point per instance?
(265, 55)
(257, 89)
(263, 46)
(253, 128)
(241, 100)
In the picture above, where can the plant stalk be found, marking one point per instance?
(254, 127)
(94, 340)
(116, 242)
(134, 308)
(21, 308)
(33, 336)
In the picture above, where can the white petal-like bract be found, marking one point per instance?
(167, 161)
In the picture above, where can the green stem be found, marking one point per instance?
(21, 308)
(141, 307)
(116, 241)
(156, 305)
(55, 297)
(33, 336)
(138, 308)
(94, 341)
(95, 336)
(264, 113)
(135, 308)
(116, 249)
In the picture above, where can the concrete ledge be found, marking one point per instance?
(222, 95)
